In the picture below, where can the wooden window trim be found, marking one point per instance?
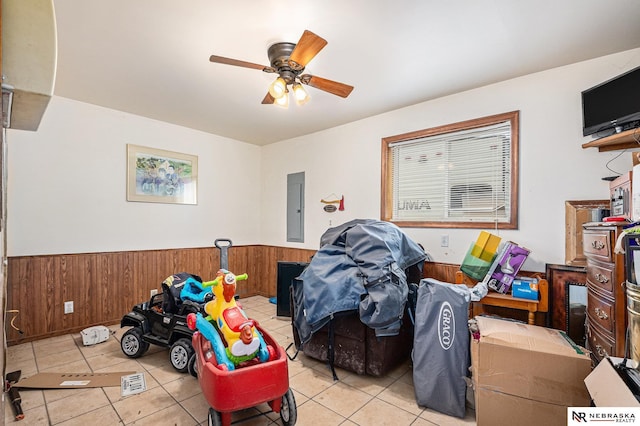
(386, 194)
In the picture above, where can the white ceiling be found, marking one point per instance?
(151, 57)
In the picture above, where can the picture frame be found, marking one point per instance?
(568, 299)
(161, 176)
(578, 213)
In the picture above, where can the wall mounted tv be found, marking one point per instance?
(612, 106)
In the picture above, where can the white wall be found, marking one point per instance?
(67, 191)
(553, 165)
(67, 186)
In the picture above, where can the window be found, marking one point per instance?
(462, 175)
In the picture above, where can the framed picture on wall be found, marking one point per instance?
(159, 176)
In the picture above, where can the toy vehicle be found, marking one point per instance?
(163, 321)
(233, 336)
(239, 364)
(227, 391)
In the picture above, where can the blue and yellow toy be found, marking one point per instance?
(233, 336)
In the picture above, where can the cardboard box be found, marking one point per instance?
(525, 374)
(606, 387)
(501, 409)
(525, 288)
(506, 265)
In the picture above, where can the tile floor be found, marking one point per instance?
(174, 398)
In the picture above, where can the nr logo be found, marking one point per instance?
(579, 416)
(446, 326)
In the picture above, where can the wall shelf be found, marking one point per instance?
(623, 140)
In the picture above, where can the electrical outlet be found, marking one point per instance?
(444, 241)
(68, 307)
(154, 292)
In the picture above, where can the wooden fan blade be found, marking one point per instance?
(268, 99)
(307, 47)
(238, 63)
(333, 87)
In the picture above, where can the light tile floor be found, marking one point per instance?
(174, 398)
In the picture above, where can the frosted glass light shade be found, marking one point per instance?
(301, 95)
(278, 88)
(282, 101)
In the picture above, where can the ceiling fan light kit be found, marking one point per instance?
(283, 101)
(301, 95)
(288, 60)
(278, 88)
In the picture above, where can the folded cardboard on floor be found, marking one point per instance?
(72, 380)
(521, 372)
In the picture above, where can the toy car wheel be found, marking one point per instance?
(214, 418)
(272, 352)
(132, 344)
(192, 367)
(180, 354)
(288, 410)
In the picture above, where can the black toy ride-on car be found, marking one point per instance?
(163, 321)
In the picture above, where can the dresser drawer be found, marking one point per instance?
(600, 312)
(601, 276)
(597, 244)
(599, 345)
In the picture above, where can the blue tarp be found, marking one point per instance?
(360, 266)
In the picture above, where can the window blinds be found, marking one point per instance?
(457, 176)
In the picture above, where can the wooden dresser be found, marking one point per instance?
(606, 297)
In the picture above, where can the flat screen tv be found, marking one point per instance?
(612, 106)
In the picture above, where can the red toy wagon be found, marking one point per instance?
(239, 365)
(227, 391)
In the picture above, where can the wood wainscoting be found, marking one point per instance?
(444, 272)
(104, 286)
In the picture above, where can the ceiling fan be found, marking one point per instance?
(288, 60)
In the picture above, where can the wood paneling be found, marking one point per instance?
(104, 286)
(444, 272)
